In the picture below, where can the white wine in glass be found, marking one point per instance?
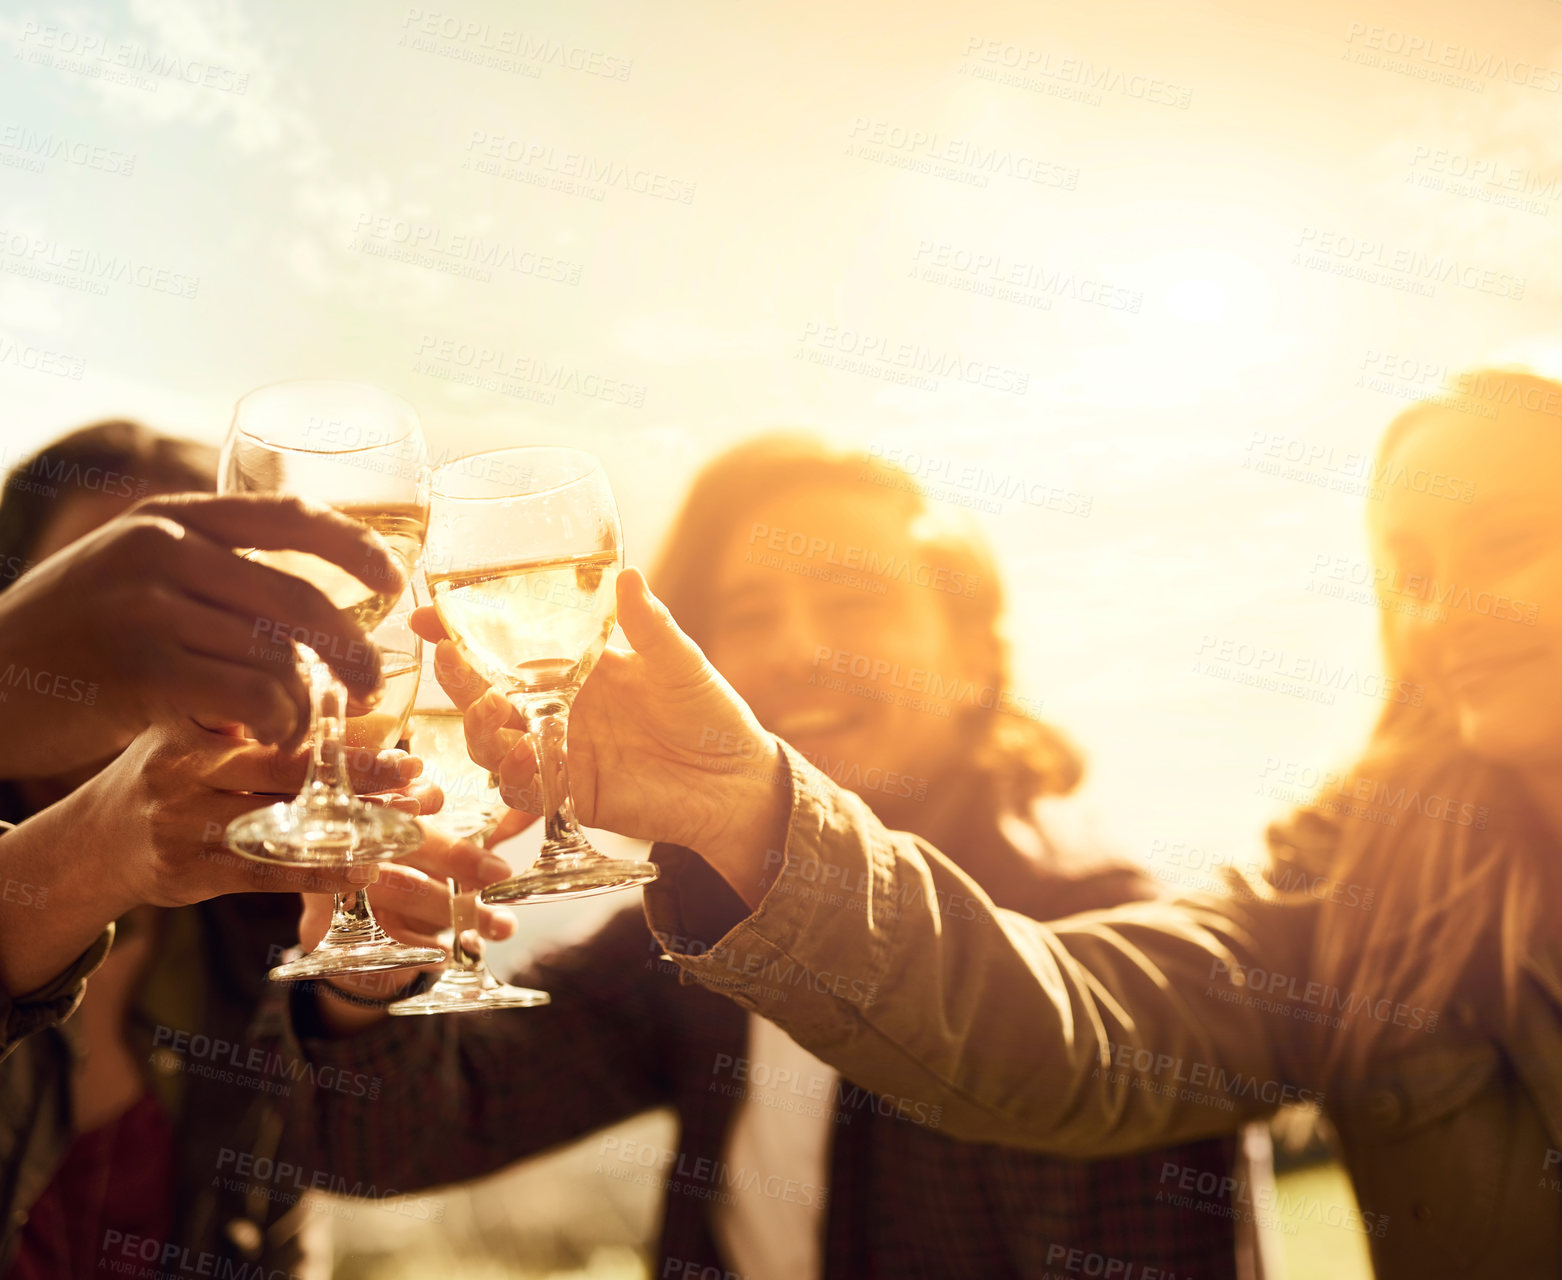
(361, 450)
(523, 559)
(472, 810)
(561, 610)
(383, 726)
(402, 527)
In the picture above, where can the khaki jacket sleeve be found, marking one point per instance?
(52, 1003)
(1106, 1032)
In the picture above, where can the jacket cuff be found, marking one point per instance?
(779, 959)
(50, 1004)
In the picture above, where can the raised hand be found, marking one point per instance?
(660, 746)
(153, 617)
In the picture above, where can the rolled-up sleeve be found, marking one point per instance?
(54, 1001)
(1105, 1032)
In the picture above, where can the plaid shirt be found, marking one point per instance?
(463, 1096)
(207, 1026)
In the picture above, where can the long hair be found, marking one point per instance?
(1033, 757)
(1447, 870)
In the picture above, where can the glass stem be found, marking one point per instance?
(466, 947)
(352, 920)
(548, 728)
(327, 776)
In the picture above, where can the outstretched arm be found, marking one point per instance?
(1107, 1032)
(146, 829)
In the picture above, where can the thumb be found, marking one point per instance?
(425, 621)
(314, 920)
(651, 630)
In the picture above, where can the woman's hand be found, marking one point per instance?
(660, 746)
(411, 900)
(148, 828)
(164, 803)
(152, 617)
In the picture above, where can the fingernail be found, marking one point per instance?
(493, 868)
(408, 768)
(362, 873)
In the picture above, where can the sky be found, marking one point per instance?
(1138, 284)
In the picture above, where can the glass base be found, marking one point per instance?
(337, 960)
(576, 876)
(292, 834)
(470, 991)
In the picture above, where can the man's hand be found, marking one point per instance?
(154, 618)
(660, 746)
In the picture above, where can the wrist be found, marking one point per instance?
(751, 807)
(52, 908)
(84, 822)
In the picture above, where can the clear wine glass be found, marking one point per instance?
(355, 942)
(472, 810)
(361, 450)
(523, 559)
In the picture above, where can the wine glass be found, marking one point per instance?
(472, 810)
(523, 559)
(355, 942)
(361, 450)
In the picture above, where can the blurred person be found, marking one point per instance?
(784, 1171)
(1397, 959)
(117, 1118)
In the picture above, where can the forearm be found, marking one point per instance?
(59, 726)
(55, 900)
(59, 713)
(1088, 1038)
(378, 1105)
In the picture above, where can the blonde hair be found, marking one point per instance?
(1456, 902)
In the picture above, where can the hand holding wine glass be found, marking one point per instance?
(472, 811)
(524, 551)
(197, 632)
(362, 450)
(355, 941)
(412, 902)
(146, 830)
(661, 747)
